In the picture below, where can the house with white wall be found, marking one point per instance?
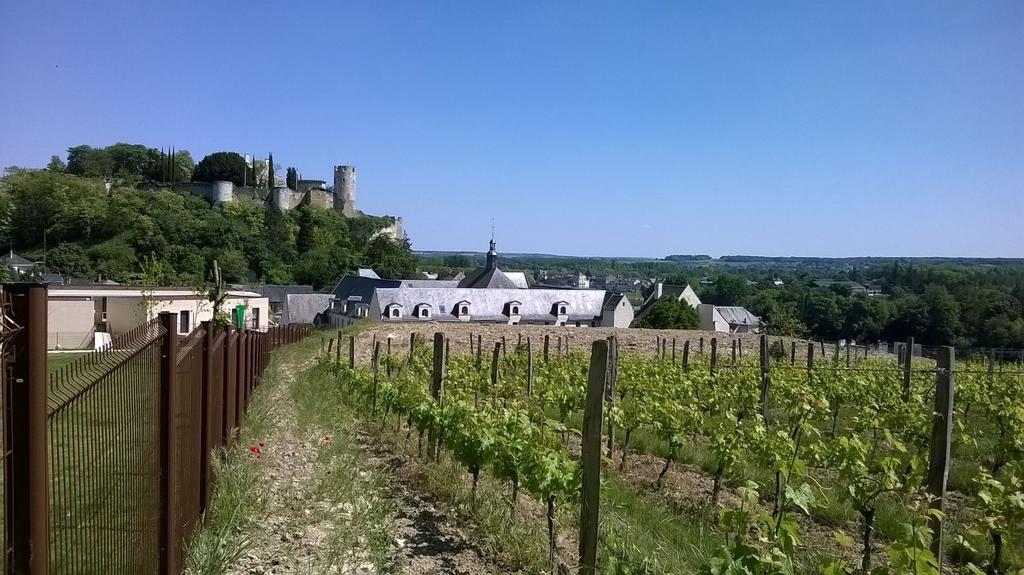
(77, 312)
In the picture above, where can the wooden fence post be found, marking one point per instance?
(387, 360)
(766, 377)
(437, 392)
(351, 352)
(25, 474)
(494, 368)
(168, 536)
(686, 355)
(376, 376)
(412, 346)
(230, 388)
(673, 351)
(613, 376)
(734, 352)
(714, 354)
(529, 368)
(479, 352)
(330, 347)
(792, 354)
(701, 349)
(337, 355)
(206, 431)
(942, 439)
(547, 342)
(590, 492)
(847, 354)
(908, 354)
(810, 363)
(741, 347)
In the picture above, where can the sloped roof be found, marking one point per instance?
(518, 278)
(736, 315)
(304, 307)
(612, 300)
(367, 273)
(13, 259)
(489, 279)
(429, 283)
(489, 304)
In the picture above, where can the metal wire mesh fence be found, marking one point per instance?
(107, 460)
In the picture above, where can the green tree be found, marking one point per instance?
(670, 313)
(390, 258)
(292, 178)
(56, 165)
(69, 260)
(271, 180)
(221, 166)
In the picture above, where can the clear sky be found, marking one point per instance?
(591, 128)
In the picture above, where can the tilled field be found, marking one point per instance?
(631, 340)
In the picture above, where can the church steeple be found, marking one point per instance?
(492, 256)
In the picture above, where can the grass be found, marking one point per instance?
(340, 479)
(55, 361)
(238, 500)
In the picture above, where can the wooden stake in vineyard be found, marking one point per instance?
(590, 449)
(613, 376)
(437, 392)
(942, 440)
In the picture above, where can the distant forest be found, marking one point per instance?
(140, 232)
(939, 301)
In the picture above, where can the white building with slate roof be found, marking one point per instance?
(485, 295)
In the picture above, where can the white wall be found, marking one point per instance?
(125, 313)
(70, 323)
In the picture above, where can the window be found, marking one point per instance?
(184, 322)
(424, 312)
(515, 310)
(394, 312)
(464, 310)
(256, 318)
(561, 310)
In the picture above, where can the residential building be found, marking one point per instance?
(79, 312)
(488, 294)
(727, 318)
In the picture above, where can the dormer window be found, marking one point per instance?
(512, 308)
(560, 308)
(422, 311)
(515, 310)
(461, 309)
(393, 311)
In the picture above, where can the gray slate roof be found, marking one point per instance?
(304, 307)
(490, 304)
(490, 279)
(13, 259)
(737, 315)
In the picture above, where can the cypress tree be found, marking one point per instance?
(270, 172)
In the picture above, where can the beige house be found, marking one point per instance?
(77, 313)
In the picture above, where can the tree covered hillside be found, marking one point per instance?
(127, 234)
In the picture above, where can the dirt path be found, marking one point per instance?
(430, 540)
(325, 506)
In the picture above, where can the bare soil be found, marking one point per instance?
(641, 341)
(294, 535)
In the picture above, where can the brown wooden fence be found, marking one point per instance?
(107, 460)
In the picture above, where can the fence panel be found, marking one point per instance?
(89, 476)
(188, 436)
(104, 468)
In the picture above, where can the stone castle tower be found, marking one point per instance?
(345, 190)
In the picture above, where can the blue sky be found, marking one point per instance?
(590, 128)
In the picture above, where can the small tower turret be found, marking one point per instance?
(345, 190)
(492, 257)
